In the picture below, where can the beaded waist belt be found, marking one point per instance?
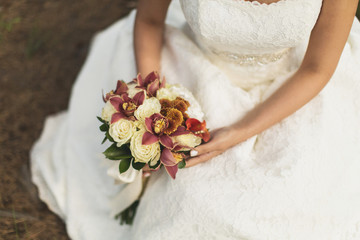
(250, 59)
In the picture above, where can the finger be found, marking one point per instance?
(202, 158)
(202, 149)
(146, 174)
(206, 147)
(146, 168)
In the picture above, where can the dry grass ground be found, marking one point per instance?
(42, 47)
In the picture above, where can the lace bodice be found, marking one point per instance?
(244, 27)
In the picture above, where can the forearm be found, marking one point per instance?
(326, 44)
(295, 93)
(148, 41)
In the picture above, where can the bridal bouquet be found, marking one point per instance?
(150, 122)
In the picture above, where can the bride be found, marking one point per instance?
(279, 84)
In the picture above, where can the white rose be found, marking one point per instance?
(132, 90)
(148, 108)
(107, 111)
(189, 140)
(144, 153)
(140, 125)
(122, 130)
(165, 93)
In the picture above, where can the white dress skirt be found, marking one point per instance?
(299, 179)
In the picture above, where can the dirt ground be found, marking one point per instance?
(42, 47)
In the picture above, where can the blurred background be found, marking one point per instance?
(43, 45)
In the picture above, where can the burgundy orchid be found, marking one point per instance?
(155, 126)
(198, 128)
(121, 88)
(180, 131)
(126, 106)
(170, 160)
(150, 84)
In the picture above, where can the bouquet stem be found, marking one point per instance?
(127, 216)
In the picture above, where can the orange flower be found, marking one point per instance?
(179, 104)
(165, 103)
(198, 128)
(174, 117)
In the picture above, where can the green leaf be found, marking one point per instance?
(117, 153)
(109, 137)
(124, 165)
(137, 165)
(155, 166)
(104, 127)
(100, 119)
(104, 140)
(182, 164)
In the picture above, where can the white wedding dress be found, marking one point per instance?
(300, 179)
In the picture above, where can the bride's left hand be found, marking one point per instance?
(221, 140)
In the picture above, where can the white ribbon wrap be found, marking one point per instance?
(132, 179)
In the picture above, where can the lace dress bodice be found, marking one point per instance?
(244, 27)
(256, 41)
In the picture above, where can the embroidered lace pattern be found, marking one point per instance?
(250, 28)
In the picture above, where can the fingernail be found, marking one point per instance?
(193, 153)
(147, 174)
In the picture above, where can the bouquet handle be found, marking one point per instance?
(129, 194)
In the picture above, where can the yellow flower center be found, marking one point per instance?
(159, 126)
(129, 106)
(178, 157)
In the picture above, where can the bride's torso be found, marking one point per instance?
(250, 27)
(250, 34)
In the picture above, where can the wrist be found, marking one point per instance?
(239, 133)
